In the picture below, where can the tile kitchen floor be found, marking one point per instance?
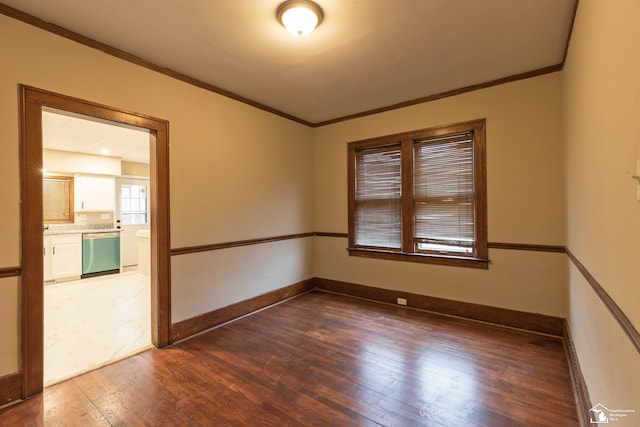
(93, 322)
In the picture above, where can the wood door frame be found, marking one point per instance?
(32, 101)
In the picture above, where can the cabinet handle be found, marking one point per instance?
(54, 250)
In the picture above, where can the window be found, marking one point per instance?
(134, 208)
(420, 196)
(57, 199)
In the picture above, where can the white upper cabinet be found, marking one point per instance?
(95, 193)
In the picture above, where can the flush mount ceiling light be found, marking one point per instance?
(299, 17)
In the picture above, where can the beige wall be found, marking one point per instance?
(525, 198)
(236, 173)
(135, 169)
(602, 138)
(66, 162)
(9, 322)
(227, 273)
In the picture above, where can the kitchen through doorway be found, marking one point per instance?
(33, 101)
(97, 246)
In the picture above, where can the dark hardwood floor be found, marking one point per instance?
(326, 360)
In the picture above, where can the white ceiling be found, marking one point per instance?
(366, 54)
(79, 134)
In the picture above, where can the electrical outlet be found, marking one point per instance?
(402, 301)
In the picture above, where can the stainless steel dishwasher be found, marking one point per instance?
(100, 253)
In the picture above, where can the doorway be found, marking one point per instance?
(97, 301)
(33, 101)
(132, 214)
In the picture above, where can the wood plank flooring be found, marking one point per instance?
(325, 360)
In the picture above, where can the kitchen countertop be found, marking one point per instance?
(55, 232)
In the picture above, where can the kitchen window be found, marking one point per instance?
(57, 199)
(420, 196)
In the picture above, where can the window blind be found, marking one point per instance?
(56, 202)
(444, 196)
(420, 196)
(378, 194)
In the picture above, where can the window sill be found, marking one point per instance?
(423, 258)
